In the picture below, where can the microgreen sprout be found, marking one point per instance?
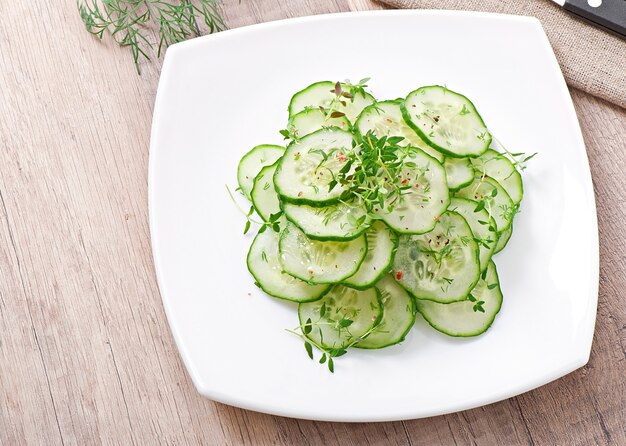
(339, 320)
(272, 222)
(518, 159)
(478, 304)
(373, 174)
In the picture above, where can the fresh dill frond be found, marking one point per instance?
(143, 25)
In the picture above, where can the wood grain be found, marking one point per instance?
(86, 356)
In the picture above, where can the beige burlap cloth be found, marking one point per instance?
(591, 59)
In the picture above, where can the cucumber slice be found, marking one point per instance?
(417, 209)
(342, 316)
(323, 93)
(385, 119)
(338, 222)
(319, 262)
(381, 247)
(500, 168)
(300, 177)
(503, 239)
(495, 199)
(313, 119)
(441, 265)
(483, 227)
(459, 318)
(459, 172)
(264, 266)
(252, 163)
(398, 316)
(263, 195)
(447, 121)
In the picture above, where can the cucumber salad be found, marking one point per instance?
(376, 211)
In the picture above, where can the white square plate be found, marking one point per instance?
(220, 95)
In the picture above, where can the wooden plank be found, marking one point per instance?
(86, 356)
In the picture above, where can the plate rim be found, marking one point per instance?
(259, 406)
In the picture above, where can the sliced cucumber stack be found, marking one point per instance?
(398, 316)
(310, 120)
(339, 222)
(263, 195)
(385, 119)
(426, 197)
(459, 172)
(319, 262)
(492, 197)
(381, 247)
(503, 239)
(442, 265)
(471, 317)
(376, 211)
(252, 163)
(497, 166)
(264, 265)
(447, 121)
(324, 94)
(482, 225)
(309, 165)
(344, 316)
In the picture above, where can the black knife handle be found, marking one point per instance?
(610, 15)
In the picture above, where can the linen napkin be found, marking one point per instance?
(591, 59)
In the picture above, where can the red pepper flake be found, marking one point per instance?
(404, 181)
(399, 275)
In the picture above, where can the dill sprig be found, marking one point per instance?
(133, 23)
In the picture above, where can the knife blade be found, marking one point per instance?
(609, 15)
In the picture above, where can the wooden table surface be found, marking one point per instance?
(86, 355)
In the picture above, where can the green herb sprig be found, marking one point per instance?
(342, 324)
(518, 159)
(478, 304)
(372, 174)
(133, 23)
(343, 92)
(273, 222)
